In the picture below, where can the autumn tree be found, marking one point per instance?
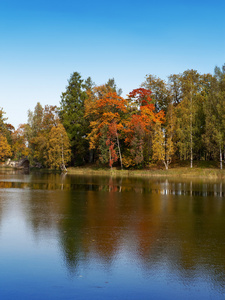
(59, 152)
(19, 142)
(140, 126)
(136, 141)
(107, 145)
(163, 148)
(40, 124)
(5, 128)
(49, 119)
(105, 110)
(5, 149)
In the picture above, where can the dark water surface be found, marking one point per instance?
(92, 237)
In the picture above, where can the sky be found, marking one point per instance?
(42, 42)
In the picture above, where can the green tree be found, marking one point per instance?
(214, 109)
(19, 142)
(186, 114)
(112, 84)
(174, 86)
(72, 116)
(160, 93)
(40, 123)
(33, 127)
(163, 144)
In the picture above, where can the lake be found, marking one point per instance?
(95, 237)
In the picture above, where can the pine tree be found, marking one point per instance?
(72, 116)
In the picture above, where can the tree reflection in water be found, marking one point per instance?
(158, 223)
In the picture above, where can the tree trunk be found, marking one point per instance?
(166, 164)
(221, 161)
(118, 143)
(191, 134)
(224, 155)
(91, 156)
(63, 164)
(110, 158)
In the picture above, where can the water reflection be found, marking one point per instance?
(113, 184)
(157, 225)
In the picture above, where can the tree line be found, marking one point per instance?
(182, 118)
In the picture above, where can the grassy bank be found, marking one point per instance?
(200, 170)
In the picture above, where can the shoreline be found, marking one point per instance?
(183, 172)
(175, 172)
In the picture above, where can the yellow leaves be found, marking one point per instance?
(128, 160)
(41, 144)
(5, 149)
(158, 144)
(50, 145)
(109, 117)
(162, 146)
(58, 148)
(19, 142)
(93, 137)
(170, 148)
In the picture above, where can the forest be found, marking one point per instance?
(181, 119)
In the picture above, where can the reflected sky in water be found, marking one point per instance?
(82, 237)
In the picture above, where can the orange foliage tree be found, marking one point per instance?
(105, 111)
(140, 126)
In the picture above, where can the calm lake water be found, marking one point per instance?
(92, 237)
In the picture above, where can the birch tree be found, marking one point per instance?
(59, 152)
(186, 111)
(162, 145)
(214, 109)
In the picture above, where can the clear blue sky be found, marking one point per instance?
(42, 42)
